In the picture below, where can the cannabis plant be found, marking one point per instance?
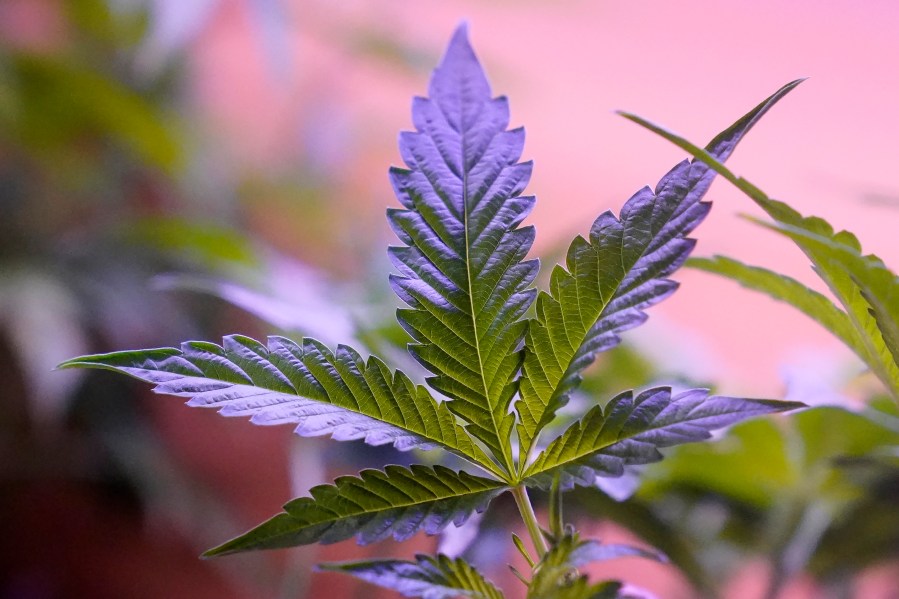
(499, 376)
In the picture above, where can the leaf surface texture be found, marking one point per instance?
(462, 270)
(427, 577)
(323, 392)
(632, 428)
(376, 505)
(611, 277)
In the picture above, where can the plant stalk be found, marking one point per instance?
(530, 520)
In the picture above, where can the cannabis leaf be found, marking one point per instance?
(376, 505)
(323, 392)
(868, 290)
(467, 285)
(428, 577)
(461, 271)
(631, 429)
(612, 277)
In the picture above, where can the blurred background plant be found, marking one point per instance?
(107, 208)
(124, 190)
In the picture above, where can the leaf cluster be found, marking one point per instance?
(497, 378)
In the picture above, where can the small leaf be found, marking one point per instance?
(557, 575)
(322, 392)
(589, 552)
(632, 429)
(427, 577)
(397, 502)
(884, 314)
(519, 544)
(612, 277)
(462, 269)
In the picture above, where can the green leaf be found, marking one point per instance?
(651, 528)
(612, 277)
(883, 313)
(66, 101)
(786, 289)
(322, 392)
(557, 574)
(751, 467)
(776, 488)
(862, 283)
(463, 271)
(397, 502)
(630, 430)
(427, 577)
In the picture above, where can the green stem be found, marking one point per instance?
(530, 520)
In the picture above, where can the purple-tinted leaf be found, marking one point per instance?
(590, 552)
(631, 430)
(427, 577)
(461, 270)
(374, 506)
(612, 277)
(323, 393)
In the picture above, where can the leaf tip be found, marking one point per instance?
(79, 362)
(459, 43)
(226, 548)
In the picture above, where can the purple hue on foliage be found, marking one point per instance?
(612, 277)
(324, 393)
(631, 430)
(373, 506)
(462, 271)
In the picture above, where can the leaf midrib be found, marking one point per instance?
(506, 457)
(530, 472)
(605, 302)
(498, 485)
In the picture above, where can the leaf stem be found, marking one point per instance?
(530, 519)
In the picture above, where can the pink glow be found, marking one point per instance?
(566, 68)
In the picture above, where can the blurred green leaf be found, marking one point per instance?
(211, 245)
(63, 104)
(750, 464)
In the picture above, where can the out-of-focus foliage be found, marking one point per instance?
(95, 201)
(812, 493)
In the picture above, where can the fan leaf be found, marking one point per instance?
(397, 502)
(610, 278)
(462, 271)
(322, 392)
(631, 430)
(427, 577)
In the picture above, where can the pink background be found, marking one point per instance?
(828, 148)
